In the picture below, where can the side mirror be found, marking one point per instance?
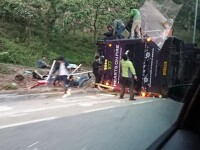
(178, 93)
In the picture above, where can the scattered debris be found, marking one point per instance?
(16, 77)
(19, 77)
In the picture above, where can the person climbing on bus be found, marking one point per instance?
(136, 25)
(128, 28)
(119, 28)
(128, 72)
(110, 34)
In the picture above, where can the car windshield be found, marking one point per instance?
(95, 74)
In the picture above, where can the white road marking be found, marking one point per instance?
(91, 97)
(138, 103)
(68, 100)
(18, 115)
(5, 108)
(109, 95)
(62, 106)
(33, 144)
(119, 101)
(27, 122)
(104, 108)
(86, 104)
(74, 99)
(93, 110)
(82, 104)
(48, 108)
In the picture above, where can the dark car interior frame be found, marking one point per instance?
(184, 134)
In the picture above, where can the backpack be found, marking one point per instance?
(129, 25)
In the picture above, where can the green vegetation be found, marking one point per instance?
(32, 28)
(76, 49)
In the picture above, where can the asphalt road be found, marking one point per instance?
(85, 122)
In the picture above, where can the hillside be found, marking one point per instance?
(76, 48)
(30, 29)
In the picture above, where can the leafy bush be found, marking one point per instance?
(76, 48)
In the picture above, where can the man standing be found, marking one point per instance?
(96, 70)
(128, 71)
(135, 16)
(119, 28)
(61, 66)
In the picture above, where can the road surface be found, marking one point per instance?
(85, 122)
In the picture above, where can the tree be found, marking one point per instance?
(104, 11)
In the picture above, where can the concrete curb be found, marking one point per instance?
(6, 97)
(30, 91)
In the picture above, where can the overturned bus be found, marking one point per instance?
(157, 68)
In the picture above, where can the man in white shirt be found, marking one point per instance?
(61, 67)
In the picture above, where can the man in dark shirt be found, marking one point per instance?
(96, 70)
(42, 64)
(109, 35)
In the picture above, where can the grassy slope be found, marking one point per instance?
(77, 48)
